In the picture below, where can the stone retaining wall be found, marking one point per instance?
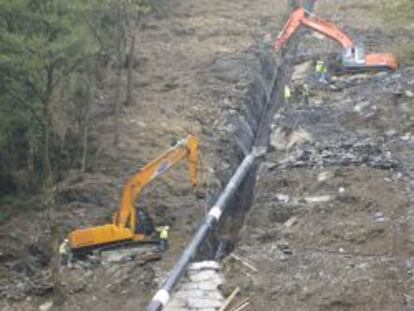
(199, 289)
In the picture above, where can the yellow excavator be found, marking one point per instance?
(124, 222)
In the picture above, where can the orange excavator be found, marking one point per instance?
(353, 57)
(124, 222)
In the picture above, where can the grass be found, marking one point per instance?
(398, 16)
(398, 13)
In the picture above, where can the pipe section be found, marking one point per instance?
(162, 296)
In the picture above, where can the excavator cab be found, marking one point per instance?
(355, 60)
(353, 56)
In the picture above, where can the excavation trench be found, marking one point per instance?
(260, 78)
(251, 129)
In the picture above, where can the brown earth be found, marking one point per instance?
(332, 223)
(350, 251)
(171, 99)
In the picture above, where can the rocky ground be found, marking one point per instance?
(174, 94)
(332, 222)
(331, 225)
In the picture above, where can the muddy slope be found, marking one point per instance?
(331, 226)
(176, 92)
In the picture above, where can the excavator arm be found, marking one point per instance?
(184, 149)
(353, 57)
(299, 17)
(124, 222)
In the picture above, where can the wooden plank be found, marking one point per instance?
(230, 299)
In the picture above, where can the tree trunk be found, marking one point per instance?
(85, 126)
(117, 94)
(85, 142)
(49, 198)
(49, 203)
(117, 104)
(130, 77)
(30, 155)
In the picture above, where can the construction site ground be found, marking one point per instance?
(332, 223)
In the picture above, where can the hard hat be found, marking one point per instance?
(167, 227)
(66, 240)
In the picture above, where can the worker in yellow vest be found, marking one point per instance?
(163, 237)
(321, 71)
(65, 254)
(287, 93)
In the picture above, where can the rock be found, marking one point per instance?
(117, 258)
(196, 293)
(197, 303)
(199, 289)
(283, 198)
(46, 306)
(324, 176)
(216, 295)
(291, 221)
(206, 276)
(175, 308)
(176, 303)
(341, 190)
(319, 199)
(286, 138)
(301, 71)
(398, 175)
(379, 217)
(285, 248)
(204, 265)
(207, 285)
(409, 93)
(129, 254)
(391, 133)
(187, 286)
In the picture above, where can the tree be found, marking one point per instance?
(41, 43)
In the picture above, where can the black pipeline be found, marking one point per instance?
(162, 296)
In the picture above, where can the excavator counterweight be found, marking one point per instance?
(124, 223)
(353, 56)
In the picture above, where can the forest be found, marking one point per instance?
(55, 59)
(92, 90)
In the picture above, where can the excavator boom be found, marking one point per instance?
(299, 18)
(124, 221)
(353, 56)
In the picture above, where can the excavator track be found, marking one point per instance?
(339, 71)
(82, 253)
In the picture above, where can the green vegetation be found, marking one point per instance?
(55, 56)
(52, 57)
